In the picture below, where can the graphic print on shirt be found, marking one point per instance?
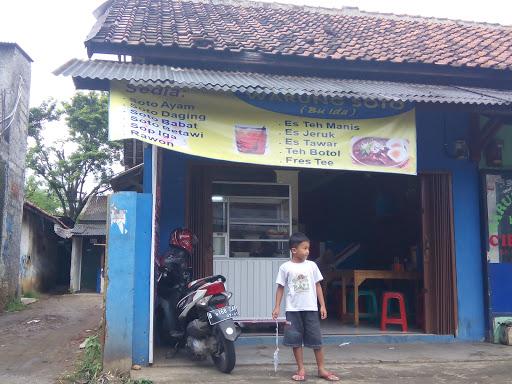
(300, 283)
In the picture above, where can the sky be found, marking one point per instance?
(53, 31)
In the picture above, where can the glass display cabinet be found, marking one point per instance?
(251, 220)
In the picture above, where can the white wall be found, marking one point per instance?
(252, 282)
(76, 264)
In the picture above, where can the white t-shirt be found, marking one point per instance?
(299, 280)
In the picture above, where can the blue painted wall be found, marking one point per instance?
(500, 288)
(173, 189)
(435, 128)
(127, 283)
(140, 338)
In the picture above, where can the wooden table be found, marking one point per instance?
(358, 276)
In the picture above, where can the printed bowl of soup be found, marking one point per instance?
(379, 151)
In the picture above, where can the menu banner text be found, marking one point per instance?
(275, 130)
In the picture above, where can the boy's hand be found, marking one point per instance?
(323, 312)
(275, 313)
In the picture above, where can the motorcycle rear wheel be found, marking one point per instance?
(225, 359)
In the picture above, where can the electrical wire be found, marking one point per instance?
(12, 114)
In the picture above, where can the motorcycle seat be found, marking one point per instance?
(210, 279)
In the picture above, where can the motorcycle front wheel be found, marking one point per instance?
(225, 357)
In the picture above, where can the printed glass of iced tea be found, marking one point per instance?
(251, 139)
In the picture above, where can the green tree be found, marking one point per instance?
(79, 166)
(39, 195)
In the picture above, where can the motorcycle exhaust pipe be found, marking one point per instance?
(198, 329)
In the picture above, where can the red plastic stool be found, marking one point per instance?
(385, 320)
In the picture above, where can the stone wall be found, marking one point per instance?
(15, 85)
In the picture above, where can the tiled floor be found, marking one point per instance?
(335, 327)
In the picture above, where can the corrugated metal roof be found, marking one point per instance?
(91, 221)
(99, 229)
(95, 210)
(277, 84)
(63, 232)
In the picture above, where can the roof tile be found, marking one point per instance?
(276, 29)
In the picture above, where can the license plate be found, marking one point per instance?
(217, 315)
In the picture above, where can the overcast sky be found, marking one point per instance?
(53, 31)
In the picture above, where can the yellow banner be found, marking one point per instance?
(287, 131)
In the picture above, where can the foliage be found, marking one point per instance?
(15, 305)
(42, 197)
(31, 295)
(38, 117)
(88, 369)
(69, 166)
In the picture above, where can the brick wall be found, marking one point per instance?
(15, 80)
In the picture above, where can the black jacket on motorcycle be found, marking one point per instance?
(176, 274)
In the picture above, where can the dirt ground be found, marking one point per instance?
(40, 343)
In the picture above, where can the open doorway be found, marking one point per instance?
(400, 226)
(364, 222)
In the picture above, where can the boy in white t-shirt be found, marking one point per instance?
(302, 279)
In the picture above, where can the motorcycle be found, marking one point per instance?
(195, 316)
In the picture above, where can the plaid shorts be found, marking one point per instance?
(304, 329)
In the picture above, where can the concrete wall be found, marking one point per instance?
(128, 264)
(14, 71)
(76, 264)
(39, 255)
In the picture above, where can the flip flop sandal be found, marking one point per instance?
(298, 377)
(329, 376)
